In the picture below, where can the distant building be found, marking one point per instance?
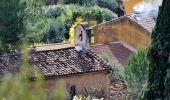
(133, 29)
(118, 51)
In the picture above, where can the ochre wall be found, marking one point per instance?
(129, 5)
(90, 81)
(121, 30)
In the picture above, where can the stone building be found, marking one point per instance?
(80, 68)
(134, 29)
(83, 73)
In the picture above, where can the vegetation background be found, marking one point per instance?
(35, 23)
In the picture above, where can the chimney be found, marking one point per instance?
(82, 37)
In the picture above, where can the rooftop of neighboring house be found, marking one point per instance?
(118, 51)
(55, 60)
(145, 22)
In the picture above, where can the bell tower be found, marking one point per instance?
(82, 37)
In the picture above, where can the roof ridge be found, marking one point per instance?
(128, 17)
(127, 46)
(121, 42)
(118, 18)
(52, 44)
(100, 58)
(57, 63)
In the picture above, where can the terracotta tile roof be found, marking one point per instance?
(58, 62)
(118, 51)
(52, 46)
(146, 22)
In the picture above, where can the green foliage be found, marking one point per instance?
(35, 23)
(79, 2)
(54, 11)
(20, 20)
(136, 73)
(56, 31)
(110, 4)
(30, 20)
(74, 11)
(62, 17)
(11, 25)
(108, 15)
(117, 73)
(158, 55)
(167, 83)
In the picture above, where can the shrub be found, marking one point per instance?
(136, 73)
(71, 12)
(64, 16)
(109, 4)
(56, 31)
(108, 15)
(79, 2)
(117, 73)
(54, 11)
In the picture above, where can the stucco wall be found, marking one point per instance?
(84, 83)
(121, 30)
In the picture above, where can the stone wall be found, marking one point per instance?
(121, 29)
(95, 83)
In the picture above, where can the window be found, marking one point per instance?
(72, 91)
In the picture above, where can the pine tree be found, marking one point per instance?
(158, 55)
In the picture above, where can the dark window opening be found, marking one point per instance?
(81, 36)
(72, 92)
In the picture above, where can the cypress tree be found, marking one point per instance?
(158, 55)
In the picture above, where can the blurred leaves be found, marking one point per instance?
(136, 73)
(117, 73)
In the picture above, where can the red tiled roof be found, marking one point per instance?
(146, 22)
(118, 51)
(58, 62)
